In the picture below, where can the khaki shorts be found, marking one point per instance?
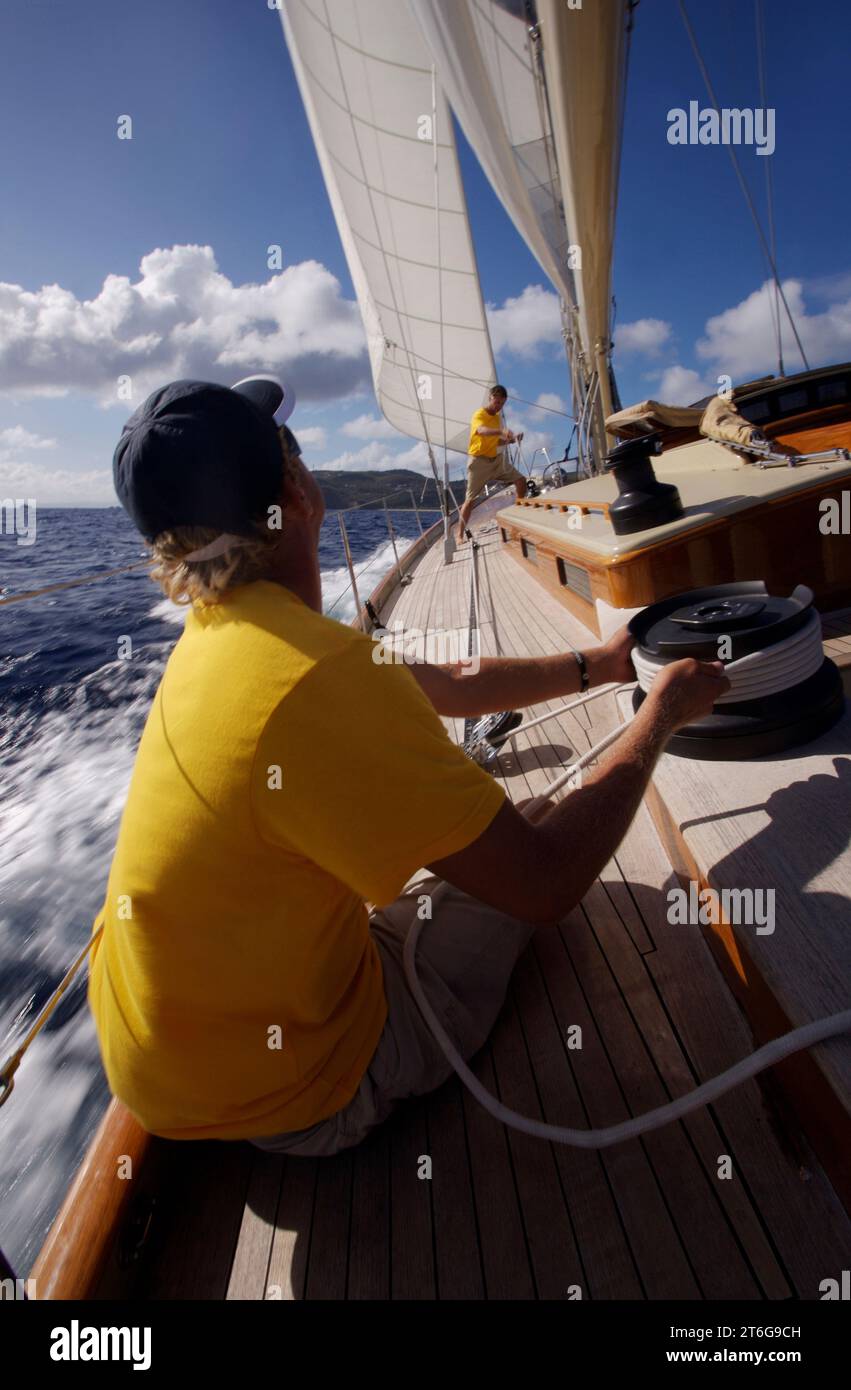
(465, 956)
(482, 470)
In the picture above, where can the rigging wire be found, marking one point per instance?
(759, 18)
(366, 565)
(743, 184)
(73, 583)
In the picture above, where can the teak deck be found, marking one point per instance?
(503, 1215)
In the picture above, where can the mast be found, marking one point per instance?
(584, 56)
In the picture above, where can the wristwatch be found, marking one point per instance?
(583, 671)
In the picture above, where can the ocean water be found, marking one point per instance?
(73, 714)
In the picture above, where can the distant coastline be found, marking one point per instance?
(341, 490)
(366, 489)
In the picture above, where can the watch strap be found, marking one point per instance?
(583, 671)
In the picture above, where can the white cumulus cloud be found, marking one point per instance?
(182, 317)
(58, 487)
(643, 335)
(525, 324)
(549, 400)
(370, 427)
(15, 440)
(741, 341)
(375, 456)
(312, 436)
(681, 385)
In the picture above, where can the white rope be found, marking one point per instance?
(767, 1056)
(562, 709)
(758, 674)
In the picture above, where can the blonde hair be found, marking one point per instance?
(208, 581)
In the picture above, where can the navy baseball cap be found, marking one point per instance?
(199, 454)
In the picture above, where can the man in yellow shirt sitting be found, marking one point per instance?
(242, 987)
(486, 462)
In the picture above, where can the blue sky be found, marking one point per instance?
(221, 158)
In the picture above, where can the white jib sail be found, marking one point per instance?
(385, 142)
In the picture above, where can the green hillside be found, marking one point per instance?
(342, 490)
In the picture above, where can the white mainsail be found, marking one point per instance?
(385, 141)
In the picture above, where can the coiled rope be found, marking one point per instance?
(758, 674)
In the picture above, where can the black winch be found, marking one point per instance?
(642, 501)
(784, 691)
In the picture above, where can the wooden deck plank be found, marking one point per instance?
(504, 1252)
(287, 1274)
(412, 1263)
(804, 1221)
(248, 1277)
(199, 1223)
(369, 1241)
(556, 1261)
(539, 755)
(600, 1236)
(459, 1272)
(328, 1263)
(713, 1253)
(695, 1193)
(653, 1238)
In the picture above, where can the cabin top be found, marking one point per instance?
(713, 482)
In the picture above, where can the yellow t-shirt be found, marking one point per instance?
(484, 445)
(282, 779)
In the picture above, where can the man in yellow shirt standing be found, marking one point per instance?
(242, 987)
(486, 463)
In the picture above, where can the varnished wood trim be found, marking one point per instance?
(812, 1100)
(81, 1239)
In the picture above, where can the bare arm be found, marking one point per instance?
(515, 682)
(538, 871)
